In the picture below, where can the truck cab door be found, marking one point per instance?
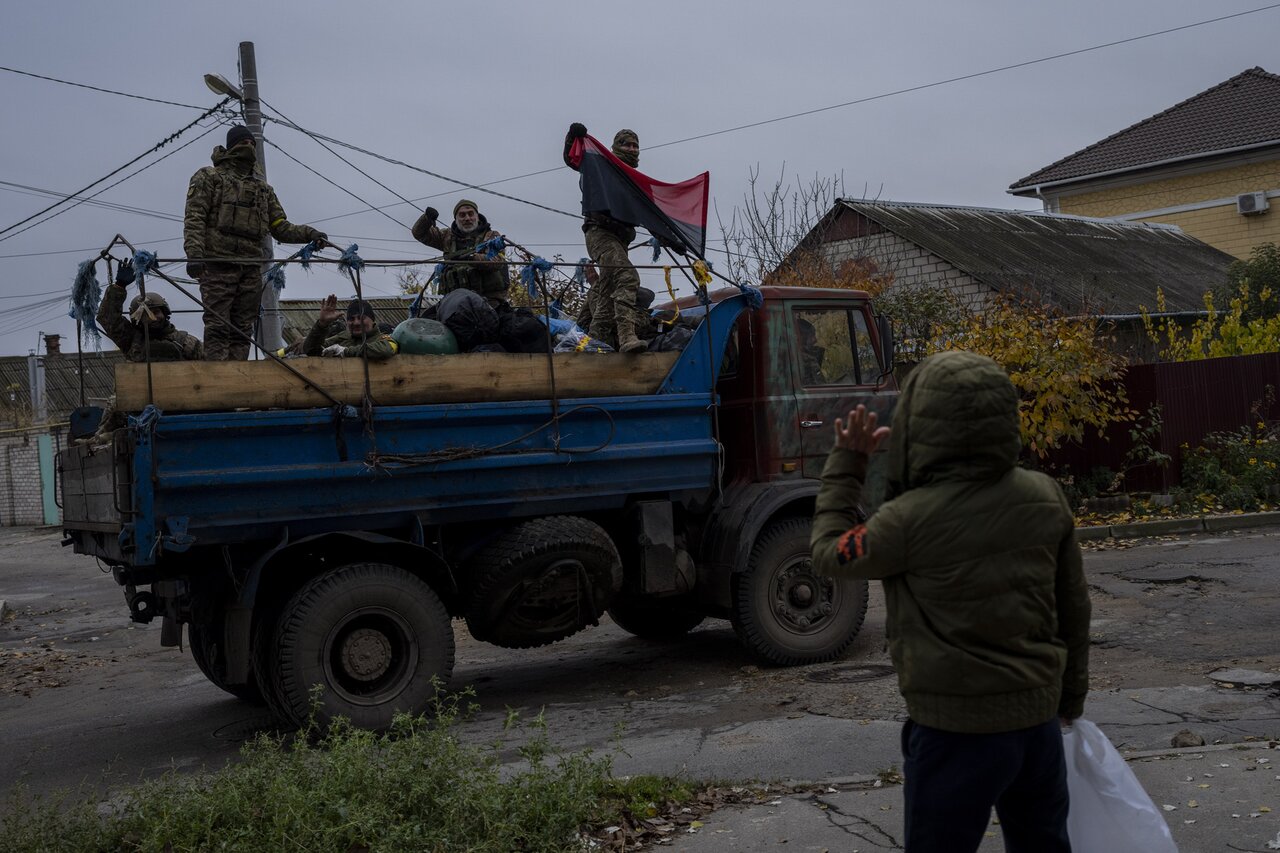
(835, 366)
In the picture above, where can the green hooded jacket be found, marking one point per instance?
(988, 610)
(377, 345)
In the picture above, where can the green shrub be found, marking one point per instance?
(413, 788)
(1233, 470)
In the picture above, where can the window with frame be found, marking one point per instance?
(834, 347)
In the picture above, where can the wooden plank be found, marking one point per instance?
(197, 386)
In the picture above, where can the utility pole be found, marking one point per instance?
(270, 336)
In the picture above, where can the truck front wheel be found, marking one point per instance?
(787, 614)
(375, 637)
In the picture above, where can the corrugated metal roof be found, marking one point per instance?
(301, 314)
(61, 381)
(1075, 262)
(1240, 112)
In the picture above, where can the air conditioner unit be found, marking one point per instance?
(1250, 204)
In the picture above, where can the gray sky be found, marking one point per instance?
(485, 91)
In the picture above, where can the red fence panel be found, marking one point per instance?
(1196, 398)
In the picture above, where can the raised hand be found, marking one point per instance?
(860, 434)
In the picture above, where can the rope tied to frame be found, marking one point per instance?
(275, 277)
(529, 275)
(86, 295)
(350, 263)
(143, 262)
(579, 279)
(671, 291)
(653, 243)
(304, 255)
(491, 248)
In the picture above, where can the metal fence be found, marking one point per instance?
(1196, 398)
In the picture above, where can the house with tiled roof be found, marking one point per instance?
(1209, 165)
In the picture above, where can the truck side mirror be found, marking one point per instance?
(885, 328)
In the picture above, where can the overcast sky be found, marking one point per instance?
(485, 91)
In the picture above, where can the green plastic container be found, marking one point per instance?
(420, 336)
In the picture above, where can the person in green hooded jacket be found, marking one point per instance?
(988, 609)
(230, 210)
(361, 336)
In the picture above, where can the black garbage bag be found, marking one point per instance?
(521, 331)
(489, 348)
(470, 317)
(672, 340)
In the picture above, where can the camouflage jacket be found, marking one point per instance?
(168, 344)
(230, 209)
(379, 346)
(486, 279)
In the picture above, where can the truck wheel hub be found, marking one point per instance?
(803, 601)
(366, 654)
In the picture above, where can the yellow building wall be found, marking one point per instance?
(1218, 226)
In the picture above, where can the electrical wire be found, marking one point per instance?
(23, 189)
(99, 89)
(329, 180)
(170, 138)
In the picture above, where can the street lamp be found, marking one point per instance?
(220, 85)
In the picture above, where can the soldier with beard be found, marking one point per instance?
(230, 209)
(458, 243)
(613, 297)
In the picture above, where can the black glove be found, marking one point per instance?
(125, 275)
(195, 269)
(432, 214)
(321, 240)
(577, 130)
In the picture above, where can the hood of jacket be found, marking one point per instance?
(241, 160)
(956, 420)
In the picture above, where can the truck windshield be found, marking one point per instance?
(834, 347)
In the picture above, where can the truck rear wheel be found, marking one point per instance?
(654, 618)
(374, 636)
(541, 581)
(206, 649)
(787, 614)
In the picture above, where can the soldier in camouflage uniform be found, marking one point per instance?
(361, 337)
(230, 209)
(160, 341)
(614, 306)
(458, 242)
(645, 326)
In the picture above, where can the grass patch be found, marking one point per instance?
(413, 788)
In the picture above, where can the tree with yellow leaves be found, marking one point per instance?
(1215, 335)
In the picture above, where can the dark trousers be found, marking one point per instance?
(953, 780)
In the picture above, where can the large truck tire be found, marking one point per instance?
(375, 637)
(784, 612)
(541, 581)
(204, 639)
(654, 618)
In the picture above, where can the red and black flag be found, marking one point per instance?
(674, 213)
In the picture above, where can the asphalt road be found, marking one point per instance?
(88, 698)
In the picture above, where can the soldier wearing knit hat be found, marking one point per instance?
(465, 267)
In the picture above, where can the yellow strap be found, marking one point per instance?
(670, 324)
(395, 347)
(277, 222)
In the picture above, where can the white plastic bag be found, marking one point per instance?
(1110, 812)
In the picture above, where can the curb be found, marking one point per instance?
(1164, 526)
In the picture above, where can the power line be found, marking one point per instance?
(963, 77)
(392, 160)
(79, 251)
(24, 189)
(329, 180)
(170, 138)
(98, 89)
(80, 201)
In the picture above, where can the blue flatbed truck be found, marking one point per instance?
(300, 547)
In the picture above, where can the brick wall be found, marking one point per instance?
(21, 499)
(910, 265)
(1219, 226)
